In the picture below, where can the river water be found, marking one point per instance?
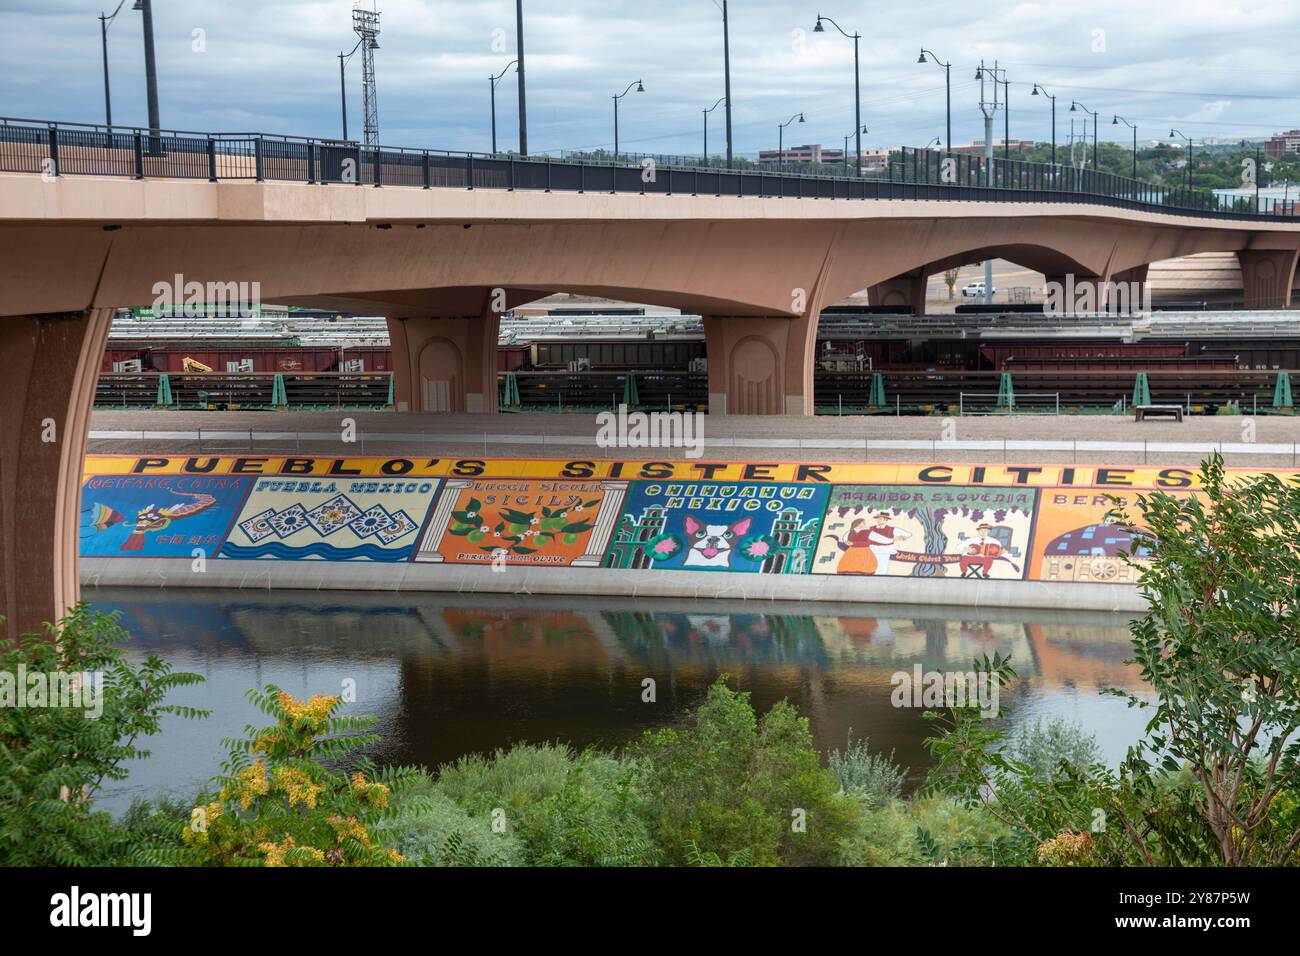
(452, 674)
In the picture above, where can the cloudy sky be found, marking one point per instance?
(1212, 68)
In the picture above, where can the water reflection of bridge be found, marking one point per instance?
(460, 673)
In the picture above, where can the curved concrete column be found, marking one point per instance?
(906, 290)
(760, 365)
(444, 364)
(1267, 276)
(46, 394)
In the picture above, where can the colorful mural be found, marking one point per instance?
(919, 531)
(1032, 522)
(166, 516)
(331, 520)
(768, 527)
(522, 521)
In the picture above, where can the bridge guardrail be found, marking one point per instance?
(57, 148)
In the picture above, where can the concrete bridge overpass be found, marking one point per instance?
(92, 221)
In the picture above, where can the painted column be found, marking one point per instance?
(611, 509)
(451, 489)
(51, 364)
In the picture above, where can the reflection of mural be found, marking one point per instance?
(768, 527)
(962, 531)
(166, 516)
(331, 519)
(522, 521)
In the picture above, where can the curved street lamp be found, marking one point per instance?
(947, 84)
(1190, 149)
(857, 82)
(721, 100)
(617, 97)
(1115, 122)
(1076, 105)
(860, 130)
(492, 82)
(780, 137)
(1039, 89)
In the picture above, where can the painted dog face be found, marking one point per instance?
(711, 544)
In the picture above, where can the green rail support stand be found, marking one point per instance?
(278, 397)
(510, 394)
(392, 392)
(630, 397)
(1141, 390)
(1282, 393)
(1006, 391)
(876, 398)
(165, 399)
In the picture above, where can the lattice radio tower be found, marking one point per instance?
(365, 23)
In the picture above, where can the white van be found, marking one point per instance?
(974, 290)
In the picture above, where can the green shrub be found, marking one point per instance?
(54, 759)
(875, 778)
(1041, 747)
(591, 821)
(733, 784)
(444, 834)
(512, 780)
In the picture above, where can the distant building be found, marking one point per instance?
(1282, 143)
(814, 153)
(977, 147)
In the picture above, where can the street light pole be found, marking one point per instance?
(726, 68)
(1115, 122)
(947, 87)
(857, 85)
(706, 128)
(780, 137)
(861, 129)
(104, 21)
(523, 112)
(492, 82)
(343, 89)
(1190, 150)
(617, 97)
(150, 65)
(1073, 105)
(1038, 89)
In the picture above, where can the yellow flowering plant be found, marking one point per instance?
(280, 802)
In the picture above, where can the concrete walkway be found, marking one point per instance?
(1265, 441)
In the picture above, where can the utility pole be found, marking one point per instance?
(104, 21)
(523, 110)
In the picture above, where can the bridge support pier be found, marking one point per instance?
(906, 291)
(760, 365)
(1267, 276)
(46, 394)
(444, 364)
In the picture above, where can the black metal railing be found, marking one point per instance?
(55, 149)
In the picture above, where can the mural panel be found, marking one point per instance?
(328, 519)
(764, 527)
(157, 516)
(924, 531)
(522, 521)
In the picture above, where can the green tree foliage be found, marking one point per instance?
(874, 778)
(53, 759)
(1219, 648)
(731, 784)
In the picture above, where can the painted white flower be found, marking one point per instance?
(484, 529)
(533, 521)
